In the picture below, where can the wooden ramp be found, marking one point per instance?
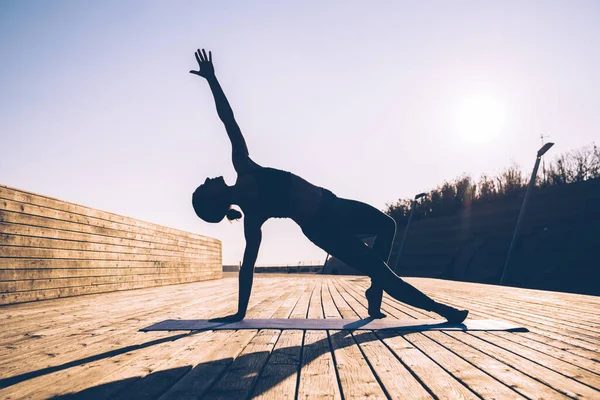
(90, 346)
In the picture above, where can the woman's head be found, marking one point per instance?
(211, 203)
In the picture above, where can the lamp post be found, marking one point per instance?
(410, 217)
(540, 153)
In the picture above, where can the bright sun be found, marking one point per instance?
(480, 118)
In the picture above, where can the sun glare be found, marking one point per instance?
(480, 118)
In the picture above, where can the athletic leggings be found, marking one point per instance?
(334, 229)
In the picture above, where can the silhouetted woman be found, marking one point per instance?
(330, 222)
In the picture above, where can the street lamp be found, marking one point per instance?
(540, 153)
(410, 217)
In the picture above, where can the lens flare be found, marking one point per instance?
(480, 118)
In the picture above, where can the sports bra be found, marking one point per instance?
(274, 188)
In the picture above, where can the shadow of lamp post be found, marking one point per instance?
(410, 217)
(540, 153)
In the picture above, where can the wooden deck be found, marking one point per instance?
(89, 346)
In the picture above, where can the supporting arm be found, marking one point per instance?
(253, 234)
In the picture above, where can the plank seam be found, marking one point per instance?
(91, 294)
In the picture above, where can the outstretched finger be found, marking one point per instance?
(209, 56)
(202, 56)
(205, 56)
(197, 58)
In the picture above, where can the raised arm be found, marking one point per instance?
(253, 233)
(238, 144)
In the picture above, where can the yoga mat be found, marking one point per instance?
(335, 324)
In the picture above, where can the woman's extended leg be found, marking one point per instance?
(362, 219)
(333, 234)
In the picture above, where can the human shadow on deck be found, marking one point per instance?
(197, 380)
(13, 380)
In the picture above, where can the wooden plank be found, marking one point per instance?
(315, 309)
(34, 252)
(16, 297)
(317, 377)
(89, 245)
(53, 264)
(42, 284)
(62, 273)
(54, 233)
(301, 308)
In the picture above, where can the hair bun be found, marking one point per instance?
(233, 214)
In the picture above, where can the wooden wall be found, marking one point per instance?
(50, 248)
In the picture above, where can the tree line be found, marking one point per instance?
(450, 197)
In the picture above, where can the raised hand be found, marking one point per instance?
(205, 65)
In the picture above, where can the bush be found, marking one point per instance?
(450, 197)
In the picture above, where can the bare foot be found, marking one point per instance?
(374, 297)
(456, 316)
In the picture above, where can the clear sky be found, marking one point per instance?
(373, 100)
